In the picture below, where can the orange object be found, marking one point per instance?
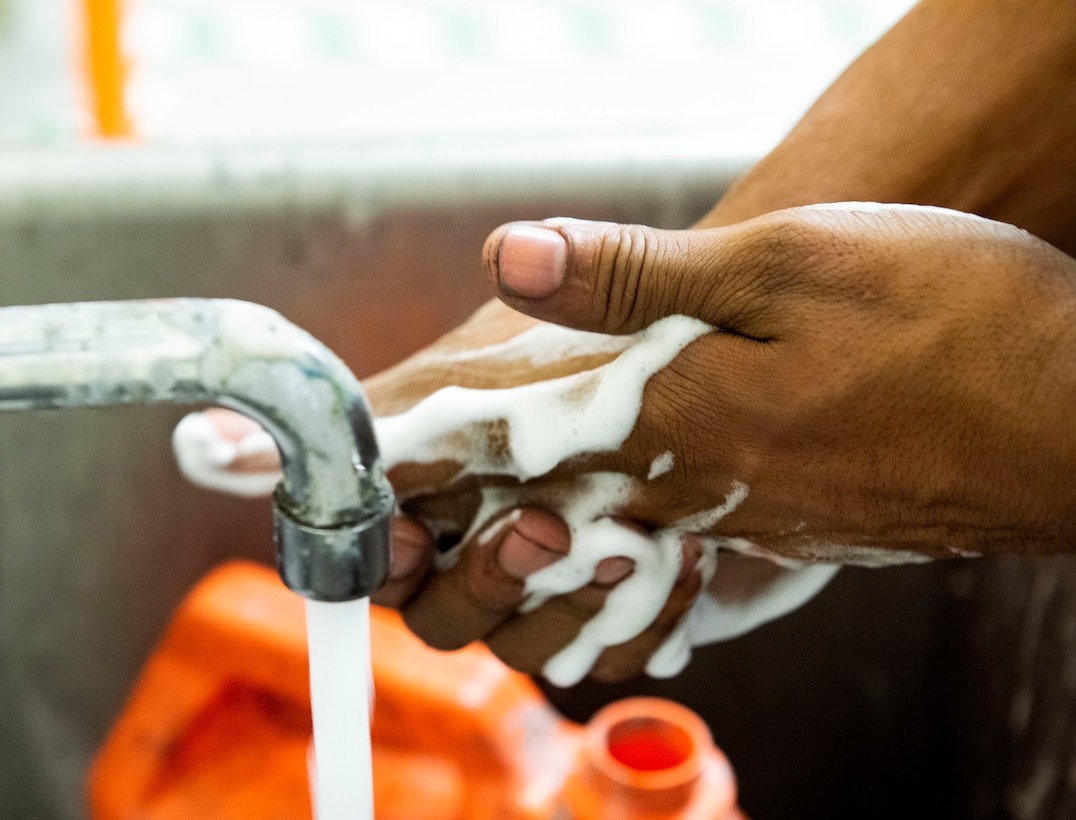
(650, 759)
(106, 67)
(218, 726)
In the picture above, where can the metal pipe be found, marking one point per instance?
(333, 507)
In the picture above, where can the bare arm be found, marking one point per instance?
(967, 104)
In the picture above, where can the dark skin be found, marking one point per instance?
(929, 434)
(895, 380)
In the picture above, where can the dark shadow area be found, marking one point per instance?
(835, 712)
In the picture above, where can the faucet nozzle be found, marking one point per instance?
(333, 507)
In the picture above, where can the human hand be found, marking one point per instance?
(881, 384)
(477, 597)
(887, 382)
(928, 435)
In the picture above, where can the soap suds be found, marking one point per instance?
(964, 553)
(712, 620)
(549, 421)
(661, 465)
(673, 655)
(705, 520)
(633, 604)
(587, 506)
(488, 535)
(205, 456)
(861, 556)
(540, 426)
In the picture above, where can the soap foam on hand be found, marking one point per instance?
(220, 456)
(547, 422)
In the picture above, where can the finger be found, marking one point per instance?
(612, 278)
(413, 550)
(223, 450)
(527, 642)
(627, 660)
(592, 610)
(486, 585)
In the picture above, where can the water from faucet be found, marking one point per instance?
(340, 698)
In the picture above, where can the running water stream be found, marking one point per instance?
(340, 694)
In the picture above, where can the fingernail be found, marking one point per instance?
(410, 543)
(531, 261)
(520, 557)
(613, 570)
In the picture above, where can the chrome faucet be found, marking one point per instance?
(332, 509)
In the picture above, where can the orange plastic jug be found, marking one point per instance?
(218, 726)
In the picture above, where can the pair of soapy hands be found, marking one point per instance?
(874, 389)
(860, 383)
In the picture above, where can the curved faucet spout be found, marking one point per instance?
(333, 506)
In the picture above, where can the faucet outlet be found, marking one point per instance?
(333, 506)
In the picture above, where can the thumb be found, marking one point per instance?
(612, 278)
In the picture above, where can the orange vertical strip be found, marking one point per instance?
(107, 67)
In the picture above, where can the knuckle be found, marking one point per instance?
(820, 258)
(628, 257)
(791, 243)
(762, 269)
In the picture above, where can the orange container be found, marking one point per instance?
(218, 726)
(650, 759)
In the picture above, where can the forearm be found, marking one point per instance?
(968, 104)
